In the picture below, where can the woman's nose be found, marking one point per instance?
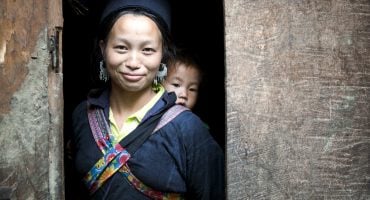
(132, 60)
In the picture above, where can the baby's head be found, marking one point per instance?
(183, 77)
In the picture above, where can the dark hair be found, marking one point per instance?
(187, 58)
(106, 25)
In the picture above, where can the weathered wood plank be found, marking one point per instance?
(21, 23)
(30, 128)
(298, 93)
(56, 102)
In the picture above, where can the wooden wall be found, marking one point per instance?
(298, 99)
(31, 102)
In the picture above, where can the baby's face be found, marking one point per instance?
(184, 81)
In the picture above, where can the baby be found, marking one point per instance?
(183, 77)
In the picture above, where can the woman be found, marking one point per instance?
(118, 152)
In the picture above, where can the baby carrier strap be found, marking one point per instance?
(115, 157)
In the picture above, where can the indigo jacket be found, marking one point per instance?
(181, 157)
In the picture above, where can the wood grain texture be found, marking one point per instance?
(298, 93)
(31, 104)
(20, 25)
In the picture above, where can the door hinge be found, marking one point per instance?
(54, 49)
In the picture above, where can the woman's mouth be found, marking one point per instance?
(132, 77)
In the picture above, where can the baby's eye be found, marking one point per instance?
(193, 89)
(175, 85)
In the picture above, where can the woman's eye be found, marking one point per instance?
(148, 51)
(120, 47)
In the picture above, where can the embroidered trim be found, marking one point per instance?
(115, 158)
(99, 125)
(170, 115)
(106, 167)
(148, 191)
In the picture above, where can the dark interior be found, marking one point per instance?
(196, 25)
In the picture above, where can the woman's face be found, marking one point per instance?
(133, 53)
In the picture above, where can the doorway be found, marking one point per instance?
(196, 25)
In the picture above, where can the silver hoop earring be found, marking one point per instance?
(103, 74)
(161, 74)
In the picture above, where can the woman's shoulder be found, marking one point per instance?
(80, 111)
(80, 107)
(184, 117)
(181, 119)
(191, 128)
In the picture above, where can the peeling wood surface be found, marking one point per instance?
(298, 93)
(20, 25)
(25, 132)
(31, 102)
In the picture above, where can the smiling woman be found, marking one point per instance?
(115, 142)
(132, 54)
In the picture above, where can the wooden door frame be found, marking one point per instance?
(56, 102)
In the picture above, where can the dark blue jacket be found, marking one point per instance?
(181, 157)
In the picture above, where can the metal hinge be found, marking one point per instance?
(54, 49)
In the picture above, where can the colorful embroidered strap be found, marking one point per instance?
(115, 158)
(148, 191)
(100, 129)
(106, 167)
